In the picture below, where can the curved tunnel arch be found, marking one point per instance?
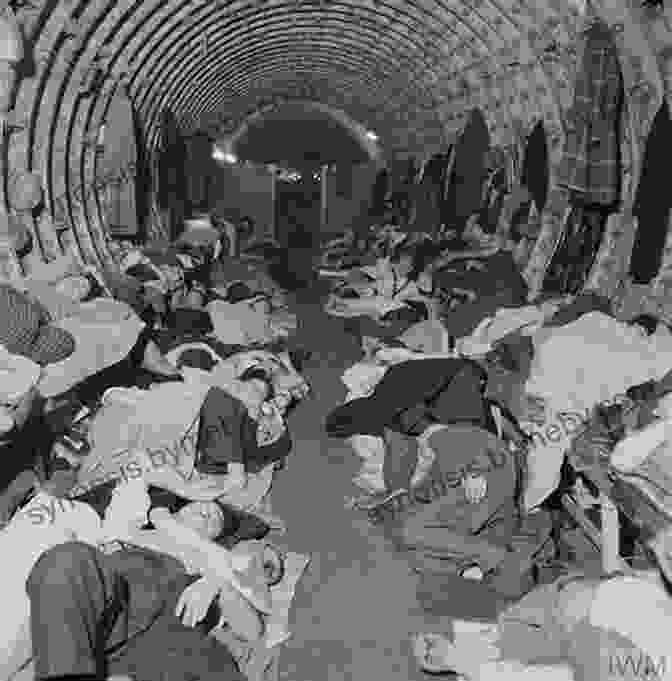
(355, 129)
(429, 62)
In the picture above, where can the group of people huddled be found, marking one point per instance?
(142, 550)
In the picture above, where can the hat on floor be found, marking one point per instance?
(52, 345)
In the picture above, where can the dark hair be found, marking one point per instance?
(161, 498)
(647, 321)
(100, 497)
(174, 503)
(259, 374)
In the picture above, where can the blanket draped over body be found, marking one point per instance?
(448, 388)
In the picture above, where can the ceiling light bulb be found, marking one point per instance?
(223, 156)
(372, 136)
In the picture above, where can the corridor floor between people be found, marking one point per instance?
(356, 607)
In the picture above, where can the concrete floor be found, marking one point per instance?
(356, 605)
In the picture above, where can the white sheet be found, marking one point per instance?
(592, 360)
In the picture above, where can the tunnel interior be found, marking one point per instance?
(410, 70)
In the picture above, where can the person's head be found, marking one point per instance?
(257, 387)
(260, 375)
(207, 518)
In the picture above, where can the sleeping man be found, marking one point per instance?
(213, 435)
(109, 597)
(469, 528)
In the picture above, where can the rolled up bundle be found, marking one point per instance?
(245, 576)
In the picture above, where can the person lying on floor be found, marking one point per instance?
(469, 528)
(100, 600)
(474, 247)
(403, 277)
(578, 628)
(208, 440)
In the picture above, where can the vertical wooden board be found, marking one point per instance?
(118, 163)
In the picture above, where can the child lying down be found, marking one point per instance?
(102, 593)
(191, 435)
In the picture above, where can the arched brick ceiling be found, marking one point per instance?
(296, 134)
(394, 65)
(408, 69)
